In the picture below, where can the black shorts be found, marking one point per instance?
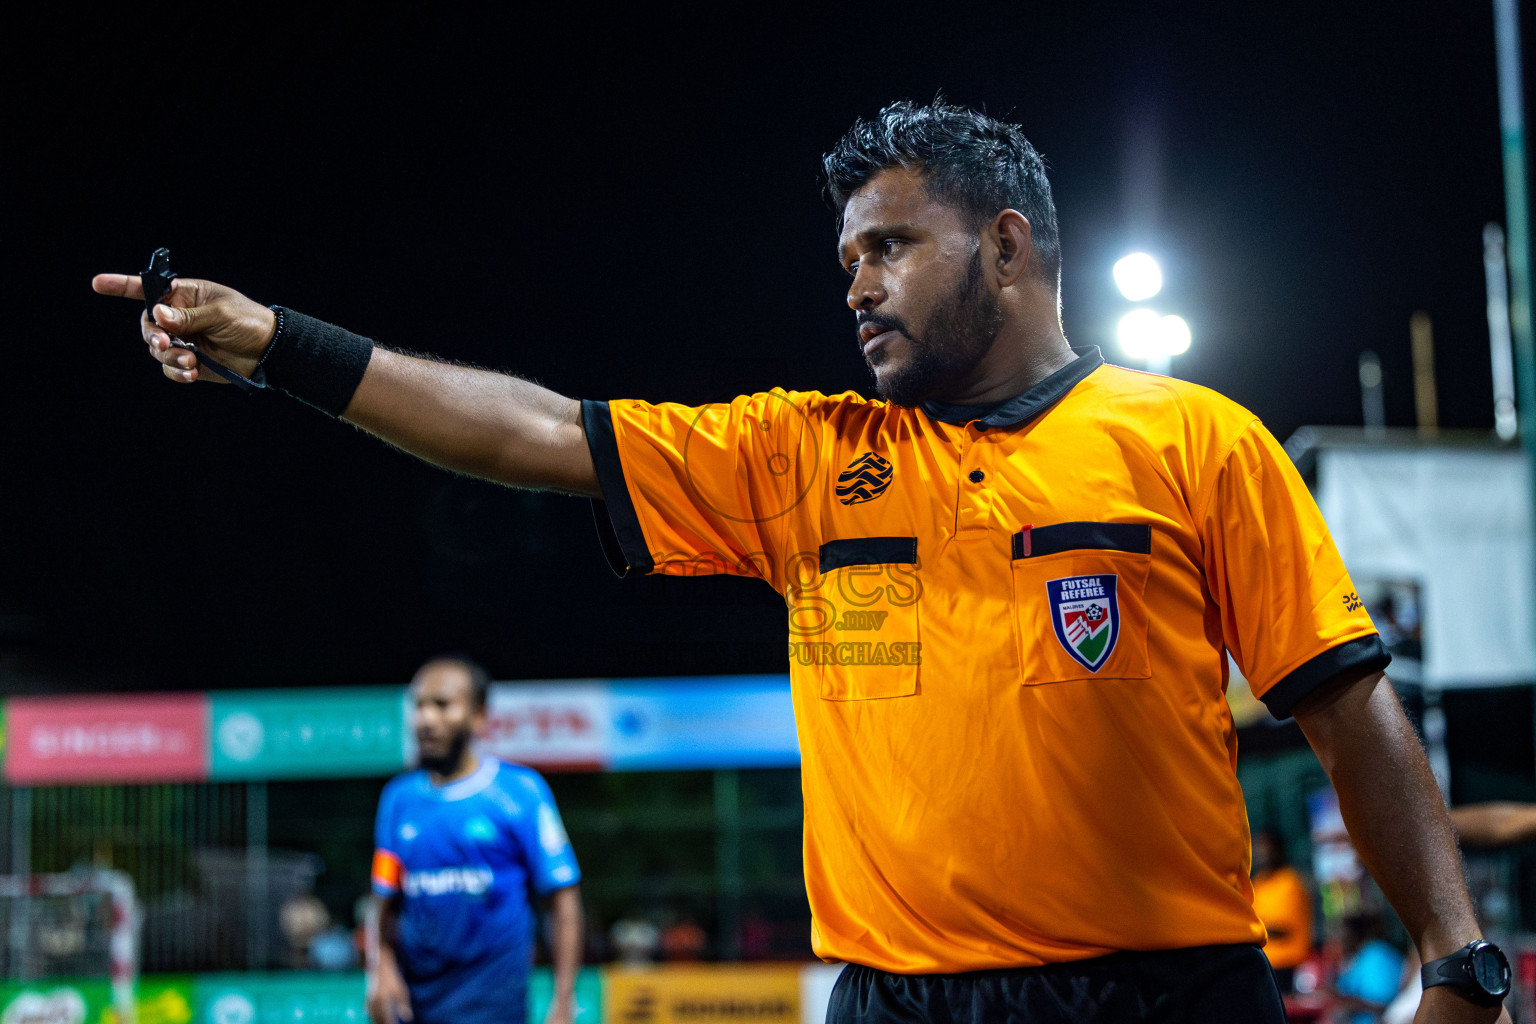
(1201, 985)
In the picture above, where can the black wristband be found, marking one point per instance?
(318, 363)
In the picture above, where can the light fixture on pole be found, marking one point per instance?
(1145, 334)
(1153, 338)
(1138, 276)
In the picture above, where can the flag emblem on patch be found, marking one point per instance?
(1086, 616)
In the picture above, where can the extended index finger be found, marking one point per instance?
(127, 286)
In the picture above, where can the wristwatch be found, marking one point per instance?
(1479, 969)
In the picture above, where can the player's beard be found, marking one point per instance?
(448, 762)
(959, 332)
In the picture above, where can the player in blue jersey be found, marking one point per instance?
(460, 845)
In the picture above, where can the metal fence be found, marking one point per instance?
(215, 864)
(208, 888)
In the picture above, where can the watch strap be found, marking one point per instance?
(1456, 971)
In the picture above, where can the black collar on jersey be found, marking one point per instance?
(1020, 409)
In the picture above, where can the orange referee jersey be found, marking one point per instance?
(1006, 641)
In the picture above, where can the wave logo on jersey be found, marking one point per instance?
(1086, 616)
(865, 479)
(449, 882)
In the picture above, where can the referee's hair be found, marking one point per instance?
(975, 163)
(479, 678)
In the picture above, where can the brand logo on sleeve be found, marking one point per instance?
(865, 479)
(1086, 616)
(551, 831)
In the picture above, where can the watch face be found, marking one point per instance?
(1490, 970)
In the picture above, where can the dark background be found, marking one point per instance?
(626, 205)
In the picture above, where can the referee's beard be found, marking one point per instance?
(958, 333)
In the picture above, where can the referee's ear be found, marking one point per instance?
(1009, 235)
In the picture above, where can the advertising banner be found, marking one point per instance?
(567, 725)
(160, 999)
(707, 722)
(589, 995)
(282, 997)
(560, 726)
(55, 1002)
(706, 994)
(312, 733)
(160, 737)
(314, 997)
(644, 724)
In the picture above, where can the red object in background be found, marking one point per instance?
(1310, 1002)
(1525, 980)
(148, 737)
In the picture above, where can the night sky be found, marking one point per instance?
(627, 206)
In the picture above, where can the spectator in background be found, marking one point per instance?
(333, 949)
(635, 940)
(1283, 903)
(1500, 823)
(1371, 972)
(683, 941)
(302, 918)
(1482, 826)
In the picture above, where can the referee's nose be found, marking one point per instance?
(867, 290)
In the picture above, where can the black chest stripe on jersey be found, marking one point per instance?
(839, 554)
(1135, 538)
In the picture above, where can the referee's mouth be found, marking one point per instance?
(875, 333)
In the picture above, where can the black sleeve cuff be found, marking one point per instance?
(618, 527)
(318, 363)
(1358, 657)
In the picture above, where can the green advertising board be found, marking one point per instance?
(316, 733)
(284, 997)
(589, 995)
(288, 997)
(314, 997)
(58, 1001)
(160, 999)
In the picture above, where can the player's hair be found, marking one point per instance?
(479, 678)
(975, 163)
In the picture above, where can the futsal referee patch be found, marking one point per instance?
(1086, 616)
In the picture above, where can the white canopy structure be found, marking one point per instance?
(1447, 519)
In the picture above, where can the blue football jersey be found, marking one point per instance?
(464, 858)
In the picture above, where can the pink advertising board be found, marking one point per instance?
(141, 737)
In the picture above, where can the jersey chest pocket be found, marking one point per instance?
(853, 621)
(1079, 594)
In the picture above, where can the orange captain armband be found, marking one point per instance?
(386, 872)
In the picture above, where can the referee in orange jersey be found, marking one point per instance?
(1012, 580)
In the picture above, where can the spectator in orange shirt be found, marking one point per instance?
(1281, 900)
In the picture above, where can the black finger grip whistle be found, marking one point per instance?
(156, 279)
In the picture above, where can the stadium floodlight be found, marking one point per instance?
(1138, 333)
(1138, 276)
(1174, 335)
(1153, 338)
